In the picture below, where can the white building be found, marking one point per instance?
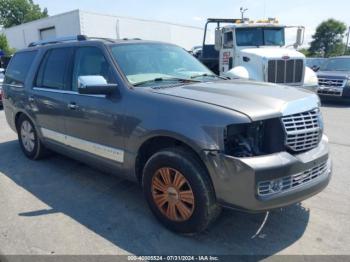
(100, 25)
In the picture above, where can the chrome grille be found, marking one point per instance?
(330, 82)
(287, 183)
(285, 71)
(303, 131)
(330, 91)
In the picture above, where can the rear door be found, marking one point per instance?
(46, 97)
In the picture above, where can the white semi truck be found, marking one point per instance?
(256, 50)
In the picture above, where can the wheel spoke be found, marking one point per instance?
(31, 136)
(160, 199)
(30, 145)
(171, 211)
(159, 185)
(184, 211)
(187, 196)
(179, 180)
(165, 174)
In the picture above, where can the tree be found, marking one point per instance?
(304, 51)
(16, 12)
(4, 45)
(328, 39)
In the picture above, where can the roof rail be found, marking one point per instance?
(101, 38)
(59, 40)
(126, 39)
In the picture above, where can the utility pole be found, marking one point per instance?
(243, 10)
(347, 41)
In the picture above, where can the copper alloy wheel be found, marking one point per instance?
(172, 194)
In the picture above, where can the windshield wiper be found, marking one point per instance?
(161, 79)
(206, 75)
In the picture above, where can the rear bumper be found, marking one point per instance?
(236, 180)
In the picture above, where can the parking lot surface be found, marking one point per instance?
(60, 206)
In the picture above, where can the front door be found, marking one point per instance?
(93, 123)
(226, 53)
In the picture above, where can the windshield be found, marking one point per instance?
(259, 36)
(146, 62)
(336, 64)
(314, 61)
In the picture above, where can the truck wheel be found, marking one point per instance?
(28, 139)
(179, 191)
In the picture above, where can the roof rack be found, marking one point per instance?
(59, 40)
(127, 39)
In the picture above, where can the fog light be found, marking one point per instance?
(276, 185)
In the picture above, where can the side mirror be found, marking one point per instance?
(218, 39)
(300, 37)
(94, 85)
(315, 68)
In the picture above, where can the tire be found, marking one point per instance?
(179, 191)
(28, 139)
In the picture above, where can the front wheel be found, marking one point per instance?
(179, 191)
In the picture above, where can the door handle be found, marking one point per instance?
(73, 106)
(31, 99)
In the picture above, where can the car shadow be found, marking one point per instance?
(116, 210)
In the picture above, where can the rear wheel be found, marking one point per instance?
(179, 191)
(28, 139)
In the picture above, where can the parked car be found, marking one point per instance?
(2, 75)
(315, 62)
(334, 78)
(154, 114)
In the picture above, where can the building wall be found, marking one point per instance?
(100, 25)
(22, 35)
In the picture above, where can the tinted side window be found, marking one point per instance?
(91, 61)
(19, 66)
(53, 71)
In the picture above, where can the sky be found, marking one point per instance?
(296, 12)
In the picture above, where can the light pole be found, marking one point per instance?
(243, 10)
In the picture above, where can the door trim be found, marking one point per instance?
(84, 145)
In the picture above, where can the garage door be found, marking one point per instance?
(47, 33)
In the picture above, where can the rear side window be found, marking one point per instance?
(53, 71)
(19, 66)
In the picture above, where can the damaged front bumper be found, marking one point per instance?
(263, 183)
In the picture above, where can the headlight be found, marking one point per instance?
(347, 83)
(254, 139)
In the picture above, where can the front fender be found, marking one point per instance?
(243, 72)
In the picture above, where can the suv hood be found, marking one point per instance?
(272, 52)
(256, 100)
(337, 74)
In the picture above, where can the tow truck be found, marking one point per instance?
(256, 50)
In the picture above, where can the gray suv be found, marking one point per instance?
(334, 79)
(152, 113)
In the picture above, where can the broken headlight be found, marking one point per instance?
(254, 139)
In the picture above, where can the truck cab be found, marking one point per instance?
(256, 51)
